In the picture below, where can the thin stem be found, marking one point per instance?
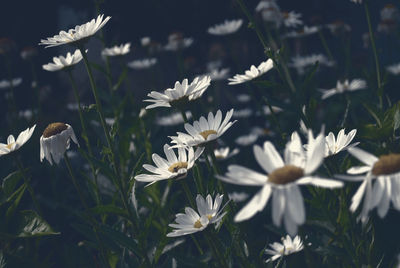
(346, 112)
(371, 35)
(184, 116)
(197, 244)
(214, 248)
(74, 182)
(325, 44)
(189, 196)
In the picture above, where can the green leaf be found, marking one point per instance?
(103, 209)
(374, 113)
(10, 182)
(28, 223)
(121, 79)
(120, 238)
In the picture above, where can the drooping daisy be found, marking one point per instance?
(142, 64)
(79, 34)
(301, 62)
(180, 94)
(188, 223)
(342, 142)
(355, 84)
(61, 62)
(116, 50)
(254, 72)
(225, 28)
(204, 130)
(13, 145)
(283, 180)
(287, 247)
(13, 83)
(385, 171)
(55, 140)
(171, 168)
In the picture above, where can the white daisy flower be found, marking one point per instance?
(394, 69)
(7, 83)
(55, 140)
(212, 210)
(172, 119)
(254, 72)
(171, 168)
(116, 50)
(13, 145)
(353, 85)
(342, 142)
(291, 19)
(287, 247)
(142, 64)
(80, 33)
(385, 170)
(246, 140)
(188, 223)
(180, 94)
(225, 28)
(219, 74)
(225, 153)
(61, 62)
(305, 31)
(204, 130)
(283, 180)
(301, 62)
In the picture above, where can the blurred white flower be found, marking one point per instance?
(61, 62)
(180, 94)
(116, 50)
(7, 83)
(270, 11)
(275, 109)
(243, 98)
(291, 19)
(287, 247)
(356, 1)
(237, 197)
(254, 72)
(172, 119)
(301, 62)
(283, 180)
(225, 153)
(204, 130)
(394, 69)
(219, 74)
(176, 41)
(355, 84)
(385, 171)
(142, 64)
(55, 140)
(243, 113)
(145, 41)
(172, 167)
(27, 114)
(246, 140)
(225, 28)
(305, 31)
(80, 33)
(13, 145)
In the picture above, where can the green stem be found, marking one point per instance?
(215, 250)
(74, 182)
(189, 196)
(197, 244)
(371, 35)
(85, 134)
(184, 116)
(325, 44)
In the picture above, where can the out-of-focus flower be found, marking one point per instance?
(394, 69)
(8, 84)
(116, 50)
(246, 140)
(338, 27)
(180, 94)
(301, 62)
(244, 113)
(385, 171)
(291, 19)
(225, 153)
(13, 145)
(176, 41)
(238, 197)
(283, 180)
(172, 119)
(204, 130)
(390, 17)
(355, 84)
(254, 72)
(171, 168)
(287, 247)
(225, 28)
(270, 12)
(79, 34)
(243, 98)
(356, 1)
(28, 53)
(55, 140)
(145, 41)
(305, 31)
(62, 63)
(217, 75)
(27, 114)
(142, 64)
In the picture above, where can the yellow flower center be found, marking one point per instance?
(174, 168)
(286, 174)
(209, 216)
(387, 164)
(207, 133)
(10, 145)
(198, 224)
(54, 129)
